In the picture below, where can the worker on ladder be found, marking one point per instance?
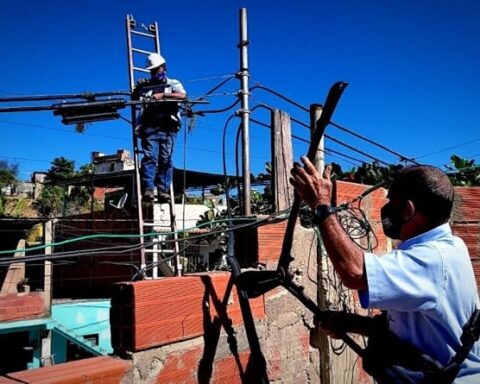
(157, 127)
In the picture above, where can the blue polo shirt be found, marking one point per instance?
(428, 287)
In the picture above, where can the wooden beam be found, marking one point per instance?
(16, 271)
(282, 160)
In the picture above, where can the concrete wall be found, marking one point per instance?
(82, 318)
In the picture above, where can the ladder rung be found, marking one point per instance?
(146, 34)
(141, 69)
(141, 51)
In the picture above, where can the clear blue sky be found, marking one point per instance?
(413, 68)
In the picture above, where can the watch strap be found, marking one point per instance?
(321, 212)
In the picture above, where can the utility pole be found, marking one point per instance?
(244, 112)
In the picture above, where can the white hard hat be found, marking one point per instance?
(154, 60)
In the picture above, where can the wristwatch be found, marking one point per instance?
(321, 213)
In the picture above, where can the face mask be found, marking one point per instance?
(391, 221)
(159, 76)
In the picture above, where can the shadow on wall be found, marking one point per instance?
(256, 367)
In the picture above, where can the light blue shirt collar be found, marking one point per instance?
(432, 234)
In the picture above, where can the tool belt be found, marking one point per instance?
(390, 360)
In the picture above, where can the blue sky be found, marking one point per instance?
(412, 65)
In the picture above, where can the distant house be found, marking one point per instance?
(120, 161)
(24, 189)
(38, 179)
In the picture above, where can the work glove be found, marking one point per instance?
(138, 87)
(141, 81)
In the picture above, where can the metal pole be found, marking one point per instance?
(137, 187)
(245, 111)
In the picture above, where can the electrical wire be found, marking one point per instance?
(298, 105)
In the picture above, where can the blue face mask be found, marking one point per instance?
(159, 76)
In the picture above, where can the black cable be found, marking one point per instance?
(343, 144)
(401, 157)
(217, 87)
(203, 112)
(224, 161)
(326, 150)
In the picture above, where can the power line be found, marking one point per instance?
(298, 105)
(62, 130)
(448, 148)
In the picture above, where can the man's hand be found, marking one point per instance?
(141, 81)
(314, 189)
(336, 324)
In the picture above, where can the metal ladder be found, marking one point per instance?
(146, 41)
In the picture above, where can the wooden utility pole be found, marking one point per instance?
(245, 111)
(282, 160)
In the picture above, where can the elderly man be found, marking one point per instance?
(426, 285)
(157, 127)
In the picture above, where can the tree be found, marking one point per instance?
(8, 173)
(85, 169)
(464, 172)
(61, 169)
(51, 200)
(8, 177)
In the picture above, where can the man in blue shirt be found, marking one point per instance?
(157, 127)
(426, 285)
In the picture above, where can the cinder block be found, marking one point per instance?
(97, 370)
(174, 309)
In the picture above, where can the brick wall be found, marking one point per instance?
(97, 370)
(22, 306)
(466, 223)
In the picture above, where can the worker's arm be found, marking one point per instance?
(346, 256)
(167, 96)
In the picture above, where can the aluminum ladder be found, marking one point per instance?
(141, 41)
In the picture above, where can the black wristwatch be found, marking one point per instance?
(321, 213)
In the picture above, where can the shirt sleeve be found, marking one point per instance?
(177, 86)
(403, 280)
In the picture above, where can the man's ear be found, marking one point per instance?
(409, 210)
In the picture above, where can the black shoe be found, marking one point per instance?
(149, 195)
(163, 197)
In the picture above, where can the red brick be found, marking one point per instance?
(97, 370)
(172, 309)
(227, 370)
(181, 367)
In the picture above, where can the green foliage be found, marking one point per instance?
(51, 200)
(8, 177)
(218, 238)
(8, 173)
(367, 173)
(85, 169)
(465, 172)
(61, 169)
